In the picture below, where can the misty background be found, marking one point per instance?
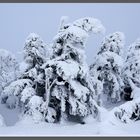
(18, 20)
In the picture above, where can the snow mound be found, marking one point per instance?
(128, 112)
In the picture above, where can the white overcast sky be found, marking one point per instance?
(18, 20)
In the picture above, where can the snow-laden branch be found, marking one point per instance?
(90, 24)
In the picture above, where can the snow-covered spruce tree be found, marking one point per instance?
(107, 68)
(8, 68)
(28, 90)
(131, 71)
(130, 111)
(35, 51)
(69, 93)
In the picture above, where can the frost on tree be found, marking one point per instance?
(31, 83)
(131, 70)
(108, 67)
(69, 93)
(8, 68)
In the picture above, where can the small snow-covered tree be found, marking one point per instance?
(29, 88)
(34, 56)
(12, 93)
(69, 93)
(107, 69)
(34, 108)
(131, 71)
(8, 68)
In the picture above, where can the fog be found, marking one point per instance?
(18, 20)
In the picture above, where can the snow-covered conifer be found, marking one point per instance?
(107, 68)
(69, 93)
(30, 85)
(131, 71)
(8, 68)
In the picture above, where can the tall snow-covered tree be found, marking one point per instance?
(131, 71)
(107, 69)
(28, 90)
(69, 93)
(8, 68)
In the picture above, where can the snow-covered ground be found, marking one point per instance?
(106, 127)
